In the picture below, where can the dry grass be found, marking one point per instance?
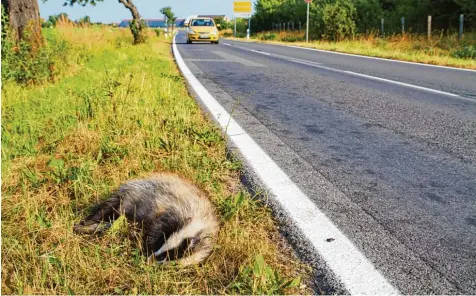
(440, 50)
(123, 113)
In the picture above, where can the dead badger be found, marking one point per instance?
(177, 221)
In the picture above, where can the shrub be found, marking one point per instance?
(465, 52)
(25, 65)
(338, 19)
(269, 36)
(292, 38)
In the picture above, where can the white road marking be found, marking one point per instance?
(402, 83)
(355, 271)
(227, 44)
(261, 52)
(319, 65)
(206, 60)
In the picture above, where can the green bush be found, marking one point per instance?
(157, 32)
(269, 36)
(338, 19)
(292, 38)
(25, 65)
(465, 52)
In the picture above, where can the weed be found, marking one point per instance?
(261, 279)
(23, 63)
(237, 205)
(268, 36)
(465, 52)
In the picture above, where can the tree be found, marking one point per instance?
(368, 15)
(86, 20)
(223, 24)
(168, 15)
(137, 26)
(468, 7)
(166, 11)
(339, 20)
(50, 22)
(24, 19)
(53, 19)
(266, 13)
(445, 15)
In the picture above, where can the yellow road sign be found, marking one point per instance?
(242, 7)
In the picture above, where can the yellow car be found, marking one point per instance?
(202, 29)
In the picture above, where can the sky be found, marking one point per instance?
(112, 11)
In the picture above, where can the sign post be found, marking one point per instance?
(242, 9)
(307, 20)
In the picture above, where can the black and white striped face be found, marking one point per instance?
(183, 249)
(187, 245)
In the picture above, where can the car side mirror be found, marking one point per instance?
(218, 26)
(185, 25)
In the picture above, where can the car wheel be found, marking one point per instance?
(189, 42)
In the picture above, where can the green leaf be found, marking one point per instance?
(56, 163)
(119, 224)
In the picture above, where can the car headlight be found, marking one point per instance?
(214, 32)
(192, 32)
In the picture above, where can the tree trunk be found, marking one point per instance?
(136, 24)
(24, 18)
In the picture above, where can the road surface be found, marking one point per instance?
(386, 150)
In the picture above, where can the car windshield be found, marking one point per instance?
(202, 23)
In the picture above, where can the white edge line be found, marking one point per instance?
(403, 84)
(354, 270)
(260, 52)
(319, 65)
(365, 57)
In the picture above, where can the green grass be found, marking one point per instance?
(121, 112)
(444, 50)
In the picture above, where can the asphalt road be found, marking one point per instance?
(391, 163)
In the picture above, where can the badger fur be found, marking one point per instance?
(177, 221)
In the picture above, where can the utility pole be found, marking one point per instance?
(402, 19)
(249, 29)
(307, 20)
(429, 27)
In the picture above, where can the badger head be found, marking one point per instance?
(189, 245)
